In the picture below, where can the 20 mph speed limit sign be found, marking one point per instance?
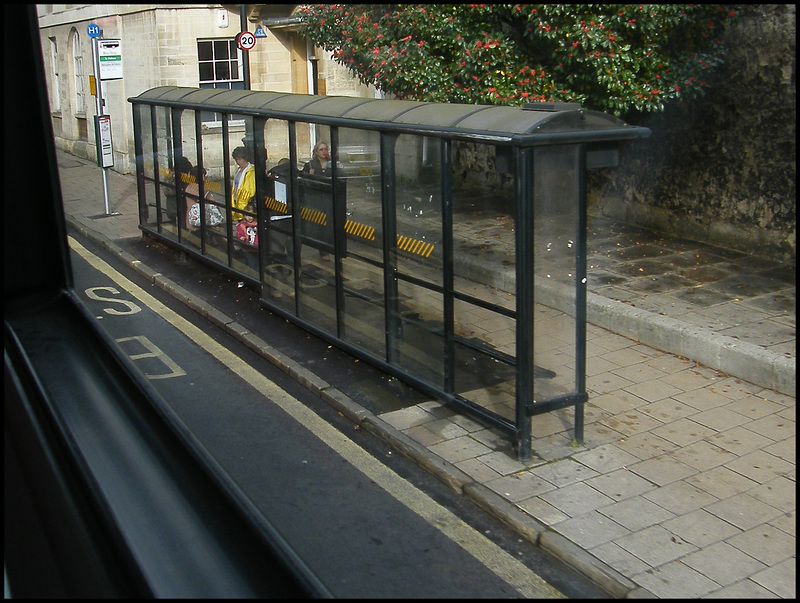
(245, 40)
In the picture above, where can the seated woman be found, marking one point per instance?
(247, 234)
(243, 187)
(320, 163)
(213, 215)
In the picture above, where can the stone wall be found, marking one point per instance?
(721, 168)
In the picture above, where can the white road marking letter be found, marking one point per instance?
(91, 293)
(153, 351)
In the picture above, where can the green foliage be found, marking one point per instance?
(608, 57)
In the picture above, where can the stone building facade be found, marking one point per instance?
(721, 168)
(162, 45)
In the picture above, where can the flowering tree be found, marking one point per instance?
(609, 57)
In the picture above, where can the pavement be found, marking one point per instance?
(685, 484)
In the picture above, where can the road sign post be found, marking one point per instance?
(107, 64)
(246, 42)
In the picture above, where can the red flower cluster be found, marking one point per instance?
(602, 56)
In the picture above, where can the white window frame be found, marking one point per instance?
(55, 88)
(220, 82)
(77, 63)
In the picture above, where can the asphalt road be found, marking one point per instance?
(368, 522)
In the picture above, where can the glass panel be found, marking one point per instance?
(358, 157)
(176, 180)
(187, 162)
(556, 198)
(242, 191)
(483, 373)
(150, 197)
(209, 116)
(278, 281)
(221, 49)
(145, 136)
(317, 295)
(415, 325)
(247, 242)
(306, 135)
(222, 70)
(165, 161)
(483, 206)
(214, 162)
(486, 381)
(417, 319)
(206, 72)
(204, 51)
(201, 218)
(315, 184)
(363, 311)
(419, 215)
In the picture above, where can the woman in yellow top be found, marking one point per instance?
(244, 182)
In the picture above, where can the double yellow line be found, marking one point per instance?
(528, 583)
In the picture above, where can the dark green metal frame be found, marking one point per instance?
(520, 129)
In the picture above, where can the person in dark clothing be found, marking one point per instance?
(320, 163)
(175, 201)
(279, 199)
(317, 197)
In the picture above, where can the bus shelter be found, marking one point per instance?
(364, 252)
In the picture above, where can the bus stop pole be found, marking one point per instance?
(245, 53)
(99, 108)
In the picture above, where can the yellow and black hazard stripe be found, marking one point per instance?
(360, 230)
(414, 246)
(314, 215)
(356, 229)
(275, 205)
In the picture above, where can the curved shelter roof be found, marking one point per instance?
(533, 124)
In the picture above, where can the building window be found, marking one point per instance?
(55, 89)
(220, 65)
(77, 64)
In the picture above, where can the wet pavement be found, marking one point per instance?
(725, 309)
(685, 484)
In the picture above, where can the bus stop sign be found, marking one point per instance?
(109, 54)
